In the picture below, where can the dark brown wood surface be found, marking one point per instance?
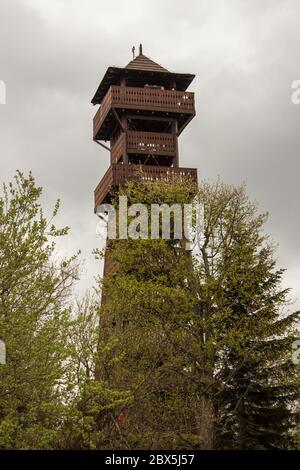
(118, 174)
(143, 99)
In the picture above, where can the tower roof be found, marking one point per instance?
(141, 62)
(140, 68)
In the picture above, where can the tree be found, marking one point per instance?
(89, 417)
(141, 300)
(34, 316)
(48, 396)
(258, 381)
(204, 340)
(193, 350)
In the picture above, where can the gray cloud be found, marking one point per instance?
(53, 54)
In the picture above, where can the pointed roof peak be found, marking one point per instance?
(142, 62)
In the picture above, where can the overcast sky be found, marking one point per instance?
(245, 54)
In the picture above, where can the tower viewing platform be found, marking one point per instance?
(143, 108)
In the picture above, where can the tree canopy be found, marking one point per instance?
(188, 349)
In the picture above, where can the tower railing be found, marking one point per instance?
(144, 99)
(145, 143)
(150, 143)
(118, 174)
(153, 98)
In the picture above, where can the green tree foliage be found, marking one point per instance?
(34, 317)
(194, 348)
(252, 329)
(89, 417)
(203, 340)
(47, 385)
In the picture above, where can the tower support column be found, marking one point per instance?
(174, 132)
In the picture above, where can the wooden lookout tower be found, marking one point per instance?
(143, 110)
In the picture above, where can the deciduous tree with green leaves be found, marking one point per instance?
(205, 339)
(48, 396)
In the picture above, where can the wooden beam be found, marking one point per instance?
(124, 123)
(175, 132)
(150, 118)
(117, 118)
(102, 145)
(185, 124)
